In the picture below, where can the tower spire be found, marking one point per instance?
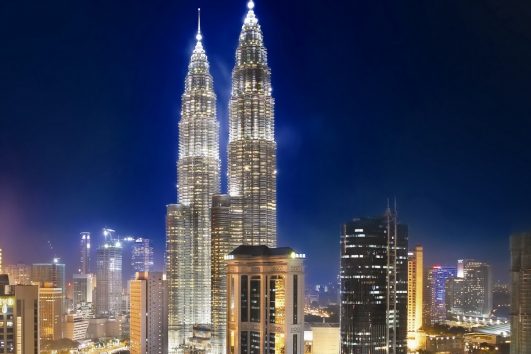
(250, 19)
(199, 36)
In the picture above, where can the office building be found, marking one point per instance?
(188, 237)
(19, 318)
(109, 279)
(53, 273)
(50, 312)
(84, 286)
(437, 297)
(521, 293)
(265, 289)
(415, 295)
(373, 277)
(478, 288)
(325, 339)
(84, 265)
(76, 327)
(19, 274)
(1, 263)
(149, 314)
(142, 255)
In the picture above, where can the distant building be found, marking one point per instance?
(84, 287)
(149, 314)
(50, 312)
(501, 300)
(455, 296)
(1, 263)
(76, 327)
(265, 289)
(53, 273)
(19, 318)
(325, 339)
(415, 295)
(109, 278)
(478, 288)
(142, 255)
(84, 266)
(521, 293)
(374, 285)
(438, 277)
(19, 274)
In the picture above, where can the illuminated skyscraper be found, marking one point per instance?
(252, 147)
(415, 292)
(1, 263)
(19, 274)
(84, 267)
(521, 293)
(373, 276)
(247, 216)
(109, 279)
(438, 278)
(478, 288)
(142, 255)
(50, 312)
(266, 300)
(188, 227)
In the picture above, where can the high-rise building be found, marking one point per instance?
(415, 295)
(455, 294)
(247, 216)
(373, 277)
(19, 318)
(437, 300)
(265, 289)
(188, 226)
(109, 279)
(19, 274)
(521, 293)
(53, 273)
(224, 225)
(149, 314)
(252, 148)
(1, 263)
(75, 327)
(84, 286)
(50, 312)
(84, 266)
(142, 255)
(478, 288)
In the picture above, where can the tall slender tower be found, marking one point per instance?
(252, 146)
(188, 229)
(84, 267)
(247, 216)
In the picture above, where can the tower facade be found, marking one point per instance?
(439, 275)
(521, 293)
(142, 255)
(247, 215)
(252, 146)
(109, 279)
(373, 276)
(188, 226)
(84, 264)
(415, 292)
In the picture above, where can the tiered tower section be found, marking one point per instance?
(252, 146)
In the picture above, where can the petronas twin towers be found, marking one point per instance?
(205, 225)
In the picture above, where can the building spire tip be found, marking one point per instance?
(198, 35)
(250, 4)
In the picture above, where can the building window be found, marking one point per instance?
(255, 299)
(277, 300)
(295, 344)
(295, 298)
(244, 342)
(244, 298)
(255, 343)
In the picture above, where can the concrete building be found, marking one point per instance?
(325, 338)
(19, 318)
(415, 295)
(50, 312)
(149, 313)
(521, 293)
(75, 327)
(265, 289)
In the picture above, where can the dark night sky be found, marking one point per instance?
(425, 100)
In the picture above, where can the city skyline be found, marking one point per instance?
(454, 212)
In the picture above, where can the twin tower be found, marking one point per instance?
(205, 225)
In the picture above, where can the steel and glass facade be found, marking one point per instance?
(109, 279)
(373, 276)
